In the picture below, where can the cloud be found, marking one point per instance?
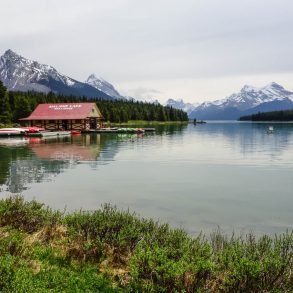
(161, 44)
(143, 94)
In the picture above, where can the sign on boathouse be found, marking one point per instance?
(65, 116)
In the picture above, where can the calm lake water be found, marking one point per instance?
(229, 175)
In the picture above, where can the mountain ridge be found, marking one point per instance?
(103, 85)
(21, 74)
(248, 101)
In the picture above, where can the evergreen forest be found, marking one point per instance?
(285, 115)
(16, 105)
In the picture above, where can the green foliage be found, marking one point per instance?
(108, 250)
(285, 115)
(22, 108)
(16, 105)
(25, 216)
(5, 111)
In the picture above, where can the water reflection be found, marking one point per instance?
(233, 175)
(28, 160)
(33, 160)
(248, 143)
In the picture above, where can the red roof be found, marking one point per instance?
(64, 111)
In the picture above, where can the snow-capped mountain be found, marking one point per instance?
(248, 101)
(104, 86)
(180, 104)
(21, 74)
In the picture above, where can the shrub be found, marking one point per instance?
(28, 216)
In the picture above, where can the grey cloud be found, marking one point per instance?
(137, 42)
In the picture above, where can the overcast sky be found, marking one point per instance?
(192, 49)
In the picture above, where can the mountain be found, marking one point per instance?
(103, 86)
(249, 100)
(21, 74)
(179, 104)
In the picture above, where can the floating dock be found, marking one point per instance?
(121, 130)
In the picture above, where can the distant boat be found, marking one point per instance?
(270, 129)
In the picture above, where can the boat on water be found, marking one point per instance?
(49, 133)
(75, 132)
(33, 129)
(270, 130)
(12, 131)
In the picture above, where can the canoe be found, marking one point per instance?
(33, 129)
(49, 133)
(11, 131)
(75, 132)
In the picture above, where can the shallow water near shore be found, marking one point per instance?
(230, 175)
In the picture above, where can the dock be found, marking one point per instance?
(120, 130)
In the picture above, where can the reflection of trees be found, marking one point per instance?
(249, 138)
(7, 155)
(170, 128)
(23, 172)
(40, 160)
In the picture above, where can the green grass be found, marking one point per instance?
(108, 250)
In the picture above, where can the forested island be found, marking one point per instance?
(15, 105)
(285, 115)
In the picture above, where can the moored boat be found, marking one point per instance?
(33, 129)
(11, 131)
(75, 132)
(49, 133)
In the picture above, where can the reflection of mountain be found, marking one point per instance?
(251, 139)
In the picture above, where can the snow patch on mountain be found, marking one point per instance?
(250, 97)
(21, 74)
(248, 100)
(103, 85)
(180, 104)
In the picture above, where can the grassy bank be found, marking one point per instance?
(42, 250)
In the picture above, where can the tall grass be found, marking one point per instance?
(108, 250)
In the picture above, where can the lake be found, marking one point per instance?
(230, 175)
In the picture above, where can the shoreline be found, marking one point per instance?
(110, 250)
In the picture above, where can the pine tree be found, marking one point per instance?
(22, 108)
(5, 111)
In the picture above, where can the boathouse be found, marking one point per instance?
(65, 116)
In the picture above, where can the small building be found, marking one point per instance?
(65, 116)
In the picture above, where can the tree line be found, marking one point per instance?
(285, 115)
(16, 105)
